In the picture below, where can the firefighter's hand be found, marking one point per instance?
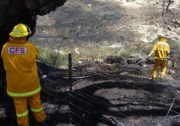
(168, 58)
(149, 57)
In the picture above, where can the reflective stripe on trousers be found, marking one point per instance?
(21, 111)
(22, 114)
(34, 102)
(37, 109)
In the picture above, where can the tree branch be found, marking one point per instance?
(168, 10)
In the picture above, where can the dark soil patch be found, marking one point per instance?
(103, 95)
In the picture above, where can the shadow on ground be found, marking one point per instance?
(102, 99)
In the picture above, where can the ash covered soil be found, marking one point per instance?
(103, 95)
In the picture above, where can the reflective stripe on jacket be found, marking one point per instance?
(19, 58)
(161, 50)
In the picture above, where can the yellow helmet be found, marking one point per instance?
(162, 38)
(19, 30)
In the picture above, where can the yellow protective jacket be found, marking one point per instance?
(161, 50)
(21, 69)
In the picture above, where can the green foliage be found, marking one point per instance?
(125, 52)
(59, 57)
(52, 57)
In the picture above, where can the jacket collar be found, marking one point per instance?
(17, 40)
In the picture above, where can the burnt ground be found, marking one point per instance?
(103, 95)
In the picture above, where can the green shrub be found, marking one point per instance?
(52, 57)
(58, 57)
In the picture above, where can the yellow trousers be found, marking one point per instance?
(162, 64)
(21, 106)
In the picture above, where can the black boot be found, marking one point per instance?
(46, 122)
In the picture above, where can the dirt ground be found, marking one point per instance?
(103, 95)
(95, 22)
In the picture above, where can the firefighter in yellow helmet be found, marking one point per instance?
(161, 51)
(23, 84)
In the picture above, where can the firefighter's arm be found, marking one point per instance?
(153, 50)
(150, 54)
(35, 50)
(168, 51)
